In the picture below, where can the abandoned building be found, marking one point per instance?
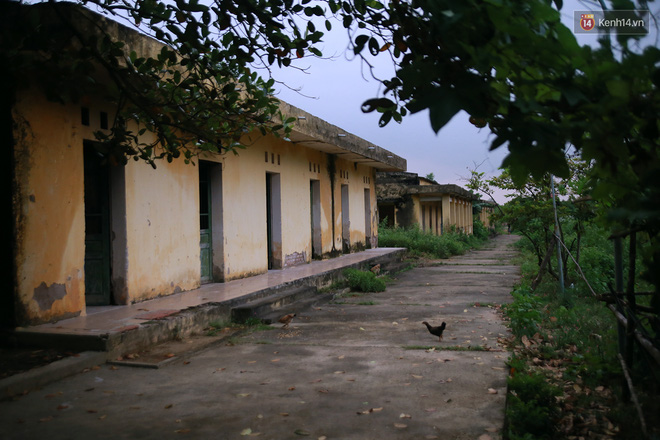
(406, 199)
(86, 234)
(484, 209)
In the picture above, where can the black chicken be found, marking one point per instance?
(437, 331)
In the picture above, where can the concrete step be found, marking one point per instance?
(268, 308)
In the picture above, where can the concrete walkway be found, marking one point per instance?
(105, 328)
(360, 367)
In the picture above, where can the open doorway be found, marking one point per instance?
(98, 256)
(274, 220)
(367, 217)
(345, 221)
(315, 214)
(211, 222)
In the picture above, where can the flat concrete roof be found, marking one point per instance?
(313, 132)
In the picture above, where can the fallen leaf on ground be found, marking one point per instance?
(400, 425)
(182, 431)
(370, 410)
(301, 432)
(492, 391)
(168, 406)
(246, 431)
(405, 416)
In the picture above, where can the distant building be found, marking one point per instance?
(484, 209)
(88, 234)
(406, 199)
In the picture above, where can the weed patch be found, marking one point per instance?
(427, 245)
(364, 281)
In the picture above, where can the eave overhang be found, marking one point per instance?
(312, 132)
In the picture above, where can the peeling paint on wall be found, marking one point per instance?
(45, 295)
(295, 259)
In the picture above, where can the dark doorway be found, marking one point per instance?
(274, 220)
(97, 227)
(205, 232)
(345, 220)
(315, 218)
(367, 217)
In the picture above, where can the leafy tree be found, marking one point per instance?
(530, 212)
(510, 64)
(515, 68)
(430, 176)
(195, 93)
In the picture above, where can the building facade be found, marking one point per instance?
(405, 199)
(89, 234)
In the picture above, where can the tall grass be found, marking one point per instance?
(424, 244)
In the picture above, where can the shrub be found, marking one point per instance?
(524, 312)
(364, 281)
(420, 243)
(531, 406)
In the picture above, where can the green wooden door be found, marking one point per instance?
(205, 242)
(97, 228)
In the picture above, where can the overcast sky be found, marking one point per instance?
(334, 89)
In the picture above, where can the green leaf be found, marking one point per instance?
(444, 107)
(618, 88)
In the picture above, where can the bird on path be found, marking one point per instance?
(376, 269)
(437, 331)
(286, 319)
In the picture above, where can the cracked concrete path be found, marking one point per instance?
(359, 367)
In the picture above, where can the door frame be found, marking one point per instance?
(95, 168)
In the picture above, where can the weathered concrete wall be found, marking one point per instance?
(155, 247)
(435, 208)
(244, 204)
(161, 254)
(162, 215)
(49, 214)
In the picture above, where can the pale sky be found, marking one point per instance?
(334, 89)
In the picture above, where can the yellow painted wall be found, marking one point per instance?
(162, 220)
(244, 203)
(160, 252)
(50, 213)
(162, 208)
